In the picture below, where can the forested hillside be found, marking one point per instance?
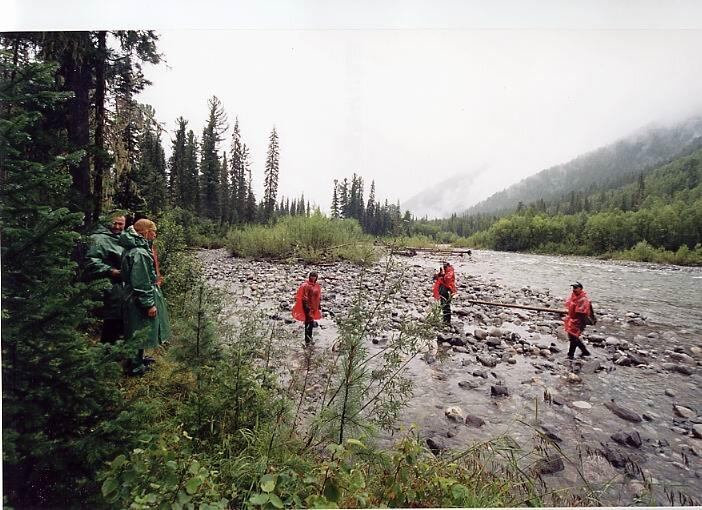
(603, 169)
(659, 212)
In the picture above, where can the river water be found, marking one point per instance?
(667, 297)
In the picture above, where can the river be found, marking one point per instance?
(650, 313)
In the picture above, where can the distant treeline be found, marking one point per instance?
(661, 209)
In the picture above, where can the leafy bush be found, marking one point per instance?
(312, 239)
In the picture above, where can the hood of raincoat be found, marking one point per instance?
(130, 239)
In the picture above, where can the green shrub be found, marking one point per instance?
(312, 239)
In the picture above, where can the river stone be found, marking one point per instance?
(676, 367)
(480, 373)
(697, 431)
(494, 331)
(551, 434)
(549, 465)
(454, 413)
(474, 421)
(488, 361)
(493, 342)
(545, 353)
(671, 393)
(457, 341)
(681, 357)
(696, 350)
(469, 385)
(574, 378)
(615, 457)
(436, 444)
(497, 390)
(480, 334)
(684, 412)
(581, 404)
(610, 340)
(623, 412)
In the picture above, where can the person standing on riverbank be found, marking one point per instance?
(579, 315)
(307, 301)
(104, 260)
(144, 305)
(445, 289)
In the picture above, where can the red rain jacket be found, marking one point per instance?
(576, 305)
(311, 293)
(448, 280)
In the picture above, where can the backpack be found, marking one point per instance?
(590, 319)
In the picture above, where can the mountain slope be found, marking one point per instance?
(608, 166)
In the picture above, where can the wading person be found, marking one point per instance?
(104, 260)
(144, 306)
(579, 315)
(445, 289)
(307, 300)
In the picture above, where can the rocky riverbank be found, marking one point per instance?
(627, 421)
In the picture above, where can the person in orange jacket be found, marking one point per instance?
(445, 289)
(307, 301)
(579, 315)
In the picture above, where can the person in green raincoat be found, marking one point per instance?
(104, 260)
(143, 305)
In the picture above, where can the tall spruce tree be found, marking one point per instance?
(191, 179)
(270, 183)
(210, 165)
(224, 197)
(335, 201)
(177, 166)
(59, 388)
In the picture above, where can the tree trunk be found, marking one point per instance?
(76, 70)
(99, 151)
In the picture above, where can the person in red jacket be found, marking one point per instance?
(307, 300)
(445, 289)
(579, 315)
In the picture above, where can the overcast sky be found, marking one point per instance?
(413, 95)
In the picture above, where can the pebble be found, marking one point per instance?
(581, 404)
(684, 412)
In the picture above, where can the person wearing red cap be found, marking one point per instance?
(579, 315)
(307, 301)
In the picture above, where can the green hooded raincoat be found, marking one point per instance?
(141, 291)
(105, 254)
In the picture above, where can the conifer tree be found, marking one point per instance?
(224, 191)
(344, 198)
(177, 166)
(59, 389)
(191, 180)
(210, 165)
(270, 183)
(335, 201)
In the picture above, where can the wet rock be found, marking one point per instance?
(574, 378)
(545, 353)
(684, 412)
(671, 393)
(511, 361)
(677, 367)
(480, 373)
(497, 390)
(615, 457)
(623, 412)
(430, 358)
(632, 439)
(454, 413)
(493, 342)
(697, 431)
(436, 444)
(612, 341)
(581, 404)
(470, 385)
(558, 400)
(549, 465)
(480, 334)
(551, 434)
(461, 349)
(681, 357)
(494, 331)
(488, 361)
(696, 350)
(457, 341)
(474, 421)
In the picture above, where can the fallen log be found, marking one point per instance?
(514, 305)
